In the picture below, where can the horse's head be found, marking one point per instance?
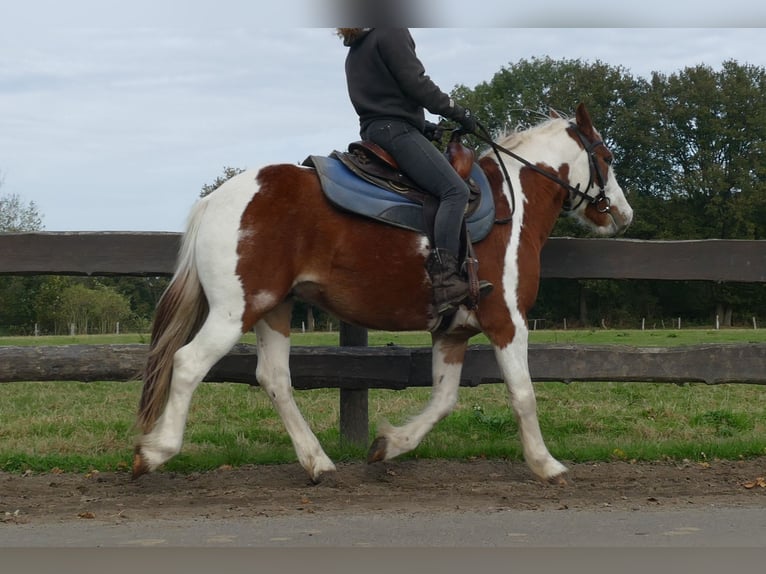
(595, 198)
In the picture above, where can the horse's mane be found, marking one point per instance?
(515, 137)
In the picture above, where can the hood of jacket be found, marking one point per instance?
(353, 35)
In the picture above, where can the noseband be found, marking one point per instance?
(600, 201)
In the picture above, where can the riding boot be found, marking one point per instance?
(449, 286)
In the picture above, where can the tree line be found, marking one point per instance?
(59, 304)
(690, 153)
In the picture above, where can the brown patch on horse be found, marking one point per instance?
(495, 177)
(539, 218)
(493, 314)
(139, 466)
(584, 121)
(452, 346)
(279, 318)
(597, 217)
(337, 261)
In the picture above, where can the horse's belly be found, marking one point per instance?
(373, 300)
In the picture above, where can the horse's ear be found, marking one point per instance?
(554, 114)
(583, 120)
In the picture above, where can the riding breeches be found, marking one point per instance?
(422, 162)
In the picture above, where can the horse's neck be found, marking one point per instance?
(542, 207)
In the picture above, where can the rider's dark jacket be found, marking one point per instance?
(386, 80)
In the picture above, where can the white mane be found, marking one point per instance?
(514, 139)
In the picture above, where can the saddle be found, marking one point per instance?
(367, 181)
(374, 164)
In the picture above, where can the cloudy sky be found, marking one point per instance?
(113, 115)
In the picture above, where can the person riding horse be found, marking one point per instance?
(390, 92)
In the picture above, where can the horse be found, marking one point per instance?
(269, 235)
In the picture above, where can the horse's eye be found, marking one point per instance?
(609, 159)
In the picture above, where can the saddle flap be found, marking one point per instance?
(461, 158)
(363, 196)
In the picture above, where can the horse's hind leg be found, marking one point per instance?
(447, 364)
(273, 374)
(218, 335)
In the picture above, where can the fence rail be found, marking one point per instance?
(154, 253)
(362, 368)
(354, 368)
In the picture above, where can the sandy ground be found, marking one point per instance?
(410, 485)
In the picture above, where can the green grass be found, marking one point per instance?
(123, 339)
(77, 427)
(647, 338)
(82, 426)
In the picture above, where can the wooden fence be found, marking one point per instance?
(354, 368)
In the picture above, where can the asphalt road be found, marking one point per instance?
(706, 527)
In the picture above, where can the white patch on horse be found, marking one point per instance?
(218, 240)
(307, 278)
(217, 237)
(273, 374)
(511, 260)
(263, 301)
(463, 319)
(444, 393)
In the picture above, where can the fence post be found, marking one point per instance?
(354, 416)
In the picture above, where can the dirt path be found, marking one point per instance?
(412, 486)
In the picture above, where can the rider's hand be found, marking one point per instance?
(433, 131)
(465, 118)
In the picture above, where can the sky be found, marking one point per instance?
(113, 115)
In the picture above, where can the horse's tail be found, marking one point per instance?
(180, 313)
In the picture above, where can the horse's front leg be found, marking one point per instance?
(514, 365)
(447, 364)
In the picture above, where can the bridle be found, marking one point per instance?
(595, 175)
(600, 201)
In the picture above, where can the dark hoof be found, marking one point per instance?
(377, 450)
(558, 480)
(326, 479)
(139, 466)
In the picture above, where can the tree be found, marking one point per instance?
(92, 309)
(228, 173)
(17, 293)
(690, 153)
(15, 216)
(713, 149)
(143, 294)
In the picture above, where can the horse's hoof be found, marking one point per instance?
(327, 478)
(558, 480)
(139, 466)
(377, 450)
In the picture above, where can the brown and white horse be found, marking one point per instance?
(269, 235)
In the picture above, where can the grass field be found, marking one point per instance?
(83, 426)
(647, 338)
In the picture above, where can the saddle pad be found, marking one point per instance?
(347, 191)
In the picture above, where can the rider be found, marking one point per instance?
(390, 90)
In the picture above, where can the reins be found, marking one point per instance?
(573, 190)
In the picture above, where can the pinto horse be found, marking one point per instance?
(267, 236)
